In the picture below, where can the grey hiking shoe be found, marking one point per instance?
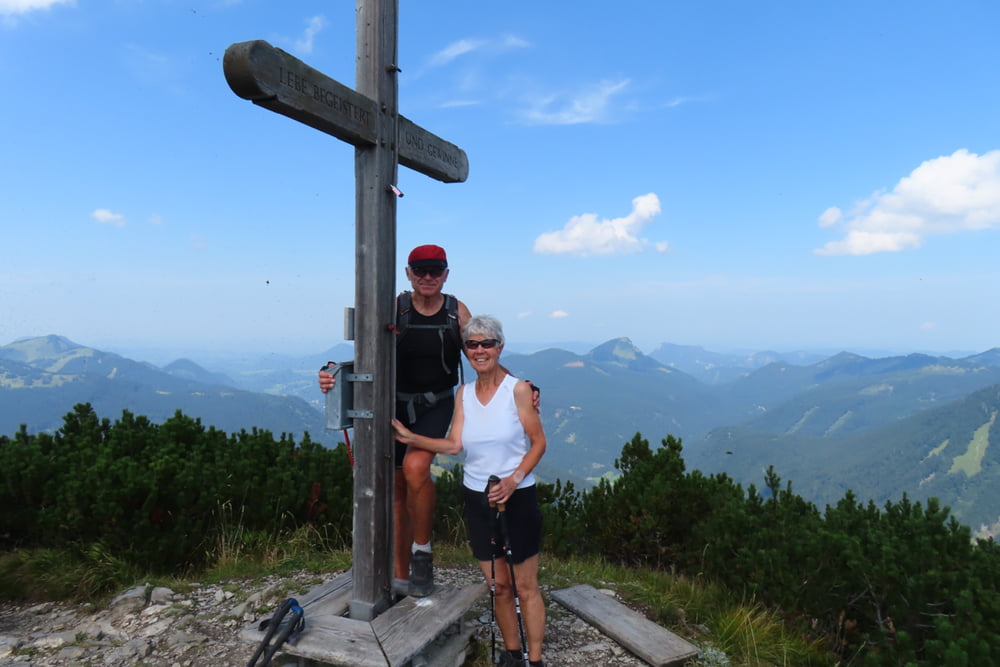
(401, 587)
(421, 574)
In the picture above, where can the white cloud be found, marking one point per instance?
(589, 105)
(455, 50)
(679, 101)
(24, 6)
(586, 235)
(524, 314)
(929, 325)
(106, 217)
(559, 314)
(462, 47)
(460, 103)
(949, 194)
(514, 42)
(305, 43)
(830, 217)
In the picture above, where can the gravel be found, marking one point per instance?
(200, 626)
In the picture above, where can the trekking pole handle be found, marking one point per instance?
(490, 483)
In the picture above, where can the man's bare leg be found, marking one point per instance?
(420, 499)
(420, 493)
(403, 532)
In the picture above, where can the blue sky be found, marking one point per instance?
(735, 175)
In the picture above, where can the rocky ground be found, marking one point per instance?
(200, 626)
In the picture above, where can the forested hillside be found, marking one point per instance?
(43, 378)
(843, 422)
(951, 453)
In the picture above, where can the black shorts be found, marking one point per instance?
(432, 421)
(522, 518)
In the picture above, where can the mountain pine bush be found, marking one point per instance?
(159, 494)
(904, 585)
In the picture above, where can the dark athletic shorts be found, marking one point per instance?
(432, 421)
(522, 518)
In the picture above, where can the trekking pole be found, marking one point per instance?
(272, 627)
(279, 622)
(493, 575)
(289, 627)
(502, 514)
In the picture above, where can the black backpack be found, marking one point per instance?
(451, 328)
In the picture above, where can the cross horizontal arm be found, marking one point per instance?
(276, 80)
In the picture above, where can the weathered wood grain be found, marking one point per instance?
(647, 640)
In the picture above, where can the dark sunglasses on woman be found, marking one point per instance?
(487, 344)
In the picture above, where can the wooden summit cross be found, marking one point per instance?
(367, 118)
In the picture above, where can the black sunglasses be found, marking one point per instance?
(487, 344)
(432, 271)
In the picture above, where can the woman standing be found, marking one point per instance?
(501, 434)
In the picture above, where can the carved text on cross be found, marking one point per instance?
(278, 81)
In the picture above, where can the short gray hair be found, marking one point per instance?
(483, 325)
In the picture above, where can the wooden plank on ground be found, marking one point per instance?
(337, 640)
(405, 629)
(647, 640)
(332, 640)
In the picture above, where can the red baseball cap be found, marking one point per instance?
(427, 255)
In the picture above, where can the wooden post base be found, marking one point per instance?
(415, 632)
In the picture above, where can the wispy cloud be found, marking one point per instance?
(591, 104)
(465, 63)
(460, 103)
(681, 101)
(305, 43)
(587, 234)
(107, 217)
(13, 7)
(559, 314)
(952, 193)
(455, 50)
(463, 47)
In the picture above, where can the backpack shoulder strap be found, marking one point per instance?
(454, 326)
(404, 307)
(455, 331)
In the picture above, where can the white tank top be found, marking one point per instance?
(492, 436)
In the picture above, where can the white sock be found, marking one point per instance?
(420, 547)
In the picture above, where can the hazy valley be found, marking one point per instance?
(916, 424)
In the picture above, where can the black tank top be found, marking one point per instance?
(422, 354)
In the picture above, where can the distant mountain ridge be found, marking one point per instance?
(716, 367)
(41, 379)
(839, 422)
(189, 370)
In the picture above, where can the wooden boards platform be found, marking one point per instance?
(428, 629)
(647, 640)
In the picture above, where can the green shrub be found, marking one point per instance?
(901, 585)
(158, 495)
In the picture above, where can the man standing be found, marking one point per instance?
(428, 359)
